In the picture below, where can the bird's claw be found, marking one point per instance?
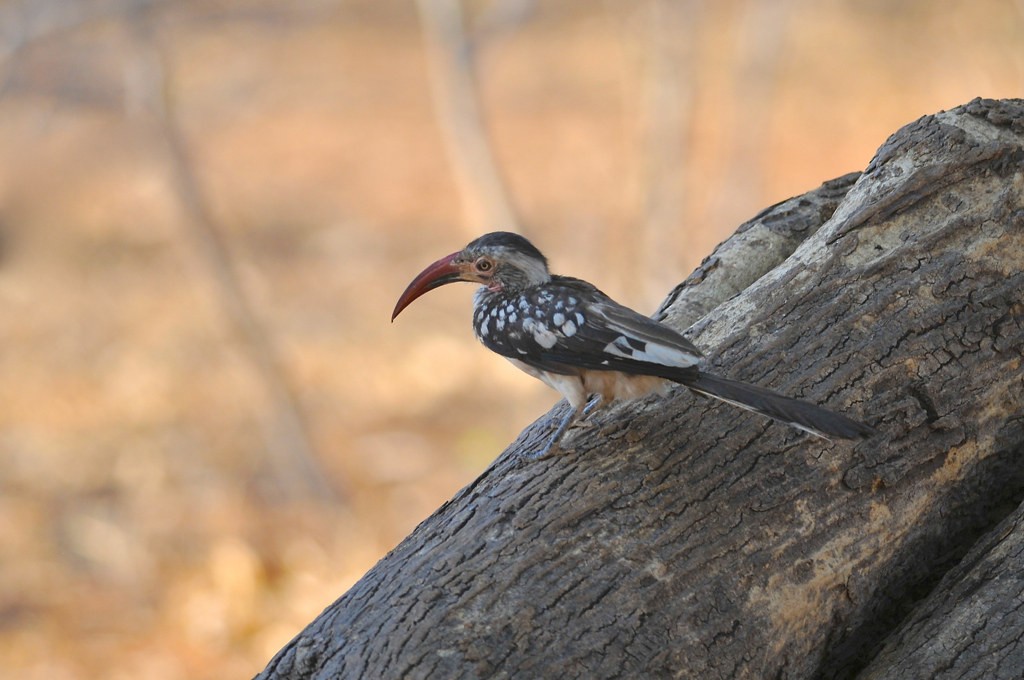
(574, 417)
(554, 440)
(549, 449)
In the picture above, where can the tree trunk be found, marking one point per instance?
(970, 626)
(679, 537)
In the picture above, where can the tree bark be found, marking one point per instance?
(677, 537)
(970, 625)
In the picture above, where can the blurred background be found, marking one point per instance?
(209, 429)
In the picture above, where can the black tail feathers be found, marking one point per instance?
(800, 414)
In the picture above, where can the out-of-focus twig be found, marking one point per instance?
(291, 454)
(500, 17)
(1020, 61)
(665, 118)
(457, 101)
(23, 24)
(762, 34)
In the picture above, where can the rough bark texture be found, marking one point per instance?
(970, 625)
(681, 538)
(756, 248)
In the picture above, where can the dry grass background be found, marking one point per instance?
(143, 529)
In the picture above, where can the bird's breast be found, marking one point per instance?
(517, 323)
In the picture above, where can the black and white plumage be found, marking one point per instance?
(580, 342)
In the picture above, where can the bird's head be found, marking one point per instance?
(501, 261)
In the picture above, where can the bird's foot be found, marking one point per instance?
(550, 448)
(552, 444)
(591, 405)
(574, 417)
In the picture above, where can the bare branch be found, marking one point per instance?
(762, 38)
(668, 105)
(457, 100)
(290, 450)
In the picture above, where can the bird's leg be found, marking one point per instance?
(571, 417)
(592, 405)
(559, 431)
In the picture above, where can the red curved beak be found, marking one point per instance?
(436, 275)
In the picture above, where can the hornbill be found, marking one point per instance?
(580, 342)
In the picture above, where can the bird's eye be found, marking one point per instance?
(483, 265)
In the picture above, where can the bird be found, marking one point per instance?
(589, 348)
